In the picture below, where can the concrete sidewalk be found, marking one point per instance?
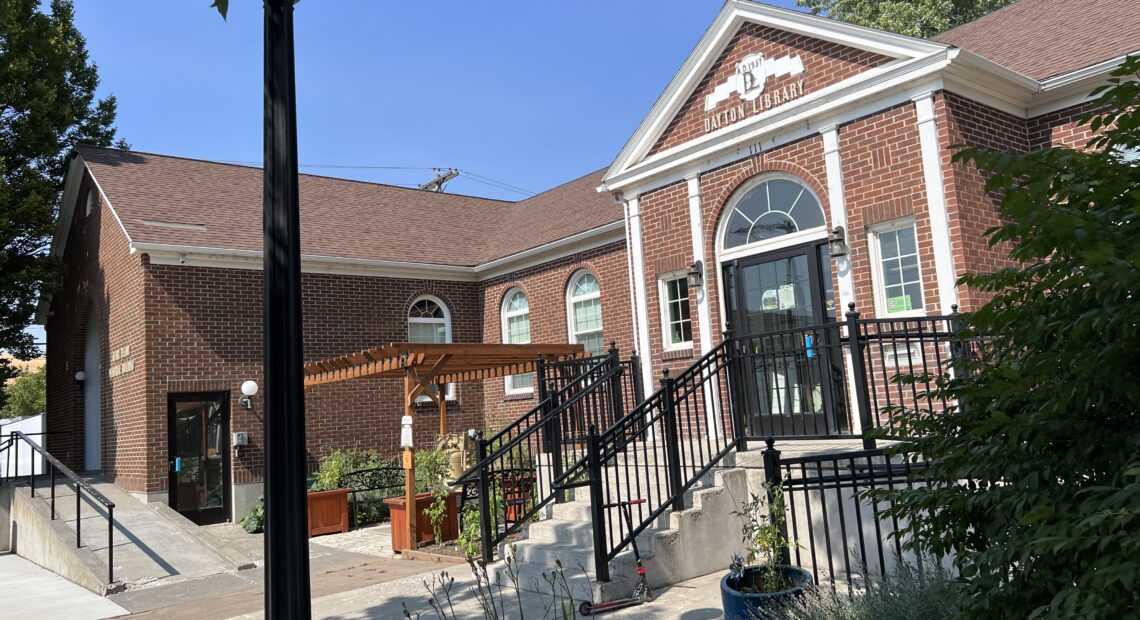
(697, 599)
(29, 591)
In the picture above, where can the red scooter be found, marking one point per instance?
(642, 593)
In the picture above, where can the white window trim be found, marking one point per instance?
(766, 245)
(503, 316)
(450, 394)
(663, 306)
(570, 299)
(873, 233)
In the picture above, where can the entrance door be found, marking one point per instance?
(200, 456)
(783, 301)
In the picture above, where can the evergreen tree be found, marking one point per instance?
(47, 106)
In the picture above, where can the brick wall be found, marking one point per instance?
(102, 285)
(205, 329)
(1060, 128)
(971, 209)
(825, 63)
(545, 287)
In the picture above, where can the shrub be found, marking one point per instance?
(254, 520)
(339, 462)
(929, 594)
(1047, 434)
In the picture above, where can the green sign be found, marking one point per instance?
(899, 304)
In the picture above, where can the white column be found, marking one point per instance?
(936, 202)
(836, 198)
(704, 318)
(643, 344)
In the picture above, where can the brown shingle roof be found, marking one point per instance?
(1046, 38)
(176, 201)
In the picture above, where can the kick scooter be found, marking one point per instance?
(642, 593)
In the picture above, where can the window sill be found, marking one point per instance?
(513, 396)
(677, 354)
(430, 404)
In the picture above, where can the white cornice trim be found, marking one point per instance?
(821, 104)
(732, 16)
(192, 256)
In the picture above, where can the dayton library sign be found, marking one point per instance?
(749, 83)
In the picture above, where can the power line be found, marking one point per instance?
(478, 178)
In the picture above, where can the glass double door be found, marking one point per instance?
(784, 307)
(199, 427)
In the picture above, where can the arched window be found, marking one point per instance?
(772, 208)
(584, 308)
(429, 322)
(516, 330)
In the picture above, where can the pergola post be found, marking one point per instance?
(442, 408)
(412, 514)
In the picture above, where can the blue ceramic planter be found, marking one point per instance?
(740, 606)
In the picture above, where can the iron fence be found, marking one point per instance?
(834, 530)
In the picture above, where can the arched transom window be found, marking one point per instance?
(429, 322)
(772, 208)
(516, 330)
(584, 304)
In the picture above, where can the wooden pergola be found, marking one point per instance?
(423, 366)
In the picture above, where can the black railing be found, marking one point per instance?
(515, 466)
(53, 466)
(833, 529)
(838, 379)
(369, 488)
(657, 452)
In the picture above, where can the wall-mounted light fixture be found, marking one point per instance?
(406, 441)
(80, 376)
(837, 242)
(248, 389)
(696, 274)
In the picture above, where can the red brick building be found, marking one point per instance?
(782, 132)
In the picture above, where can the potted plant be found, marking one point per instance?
(435, 509)
(749, 588)
(328, 495)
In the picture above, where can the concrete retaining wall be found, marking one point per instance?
(51, 544)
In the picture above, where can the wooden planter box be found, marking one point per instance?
(449, 529)
(328, 512)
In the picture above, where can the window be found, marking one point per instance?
(516, 330)
(677, 327)
(898, 279)
(430, 322)
(584, 304)
(770, 209)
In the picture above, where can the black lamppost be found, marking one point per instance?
(286, 540)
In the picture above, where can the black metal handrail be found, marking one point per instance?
(81, 485)
(509, 480)
(657, 452)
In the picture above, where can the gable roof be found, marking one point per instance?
(1046, 38)
(189, 203)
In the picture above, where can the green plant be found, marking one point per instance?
(254, 521)
(432, 472)
(765, 537)
(1035, 474)
(930, 594)
(470, 533)
(336, 464)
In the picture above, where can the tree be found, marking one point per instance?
(916, 18)
(27, 394)
(1036, 475)
(47, 106)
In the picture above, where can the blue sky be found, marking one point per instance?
(528, 93)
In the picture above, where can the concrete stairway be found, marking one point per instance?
(677, 546)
